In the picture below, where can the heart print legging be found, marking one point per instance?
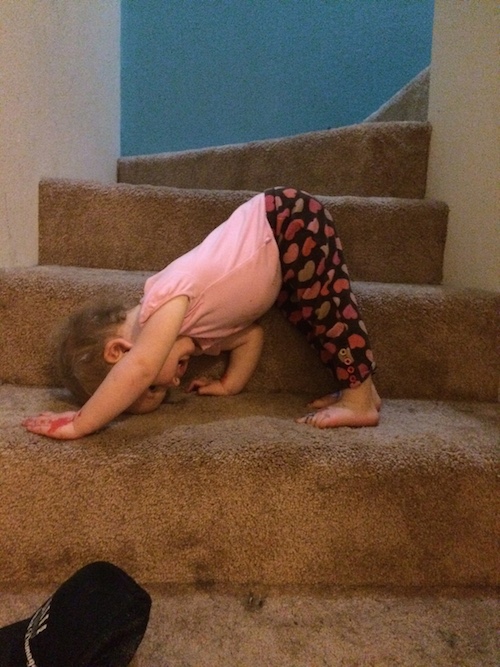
(316, 294)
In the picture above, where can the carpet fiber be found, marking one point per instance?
(299, 628)
(263, 541)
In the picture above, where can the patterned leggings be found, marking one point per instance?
(316, 294)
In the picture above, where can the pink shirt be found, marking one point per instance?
(231, 279)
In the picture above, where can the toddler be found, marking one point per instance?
(280, 247)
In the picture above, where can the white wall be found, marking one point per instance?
(59, 106)
(464, 110)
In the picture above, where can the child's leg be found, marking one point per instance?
(316, 297)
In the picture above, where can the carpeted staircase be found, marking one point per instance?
(265, 542)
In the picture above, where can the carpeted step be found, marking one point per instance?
(367, 160)
(430, 341)
(134, 227)
(231, 490)
(275, 628)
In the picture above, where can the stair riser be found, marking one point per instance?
(273, 518)
(145, 228)
(367, 160)
(426, 340)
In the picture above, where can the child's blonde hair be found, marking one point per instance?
(82, 339)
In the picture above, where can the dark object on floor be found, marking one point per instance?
(97, 618)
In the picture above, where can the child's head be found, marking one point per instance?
(82, 366)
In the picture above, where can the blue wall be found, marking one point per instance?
(205, 72)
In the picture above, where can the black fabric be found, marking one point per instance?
(97, 618)
(316, 294)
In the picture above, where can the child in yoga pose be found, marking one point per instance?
(280, 247)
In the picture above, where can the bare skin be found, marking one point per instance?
(355, 407)
(331, 399)
(147, 361)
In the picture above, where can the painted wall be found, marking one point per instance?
(59, 106)
(197, 73)
(464, 162)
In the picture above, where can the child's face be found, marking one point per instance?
(173, 369)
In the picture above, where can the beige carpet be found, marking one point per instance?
(231, 490)
(366, 160)
(262, 541)
(302, 628)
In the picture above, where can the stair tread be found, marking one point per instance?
(429, 433)
(144, 190)
(229, 628)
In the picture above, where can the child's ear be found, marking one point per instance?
(115, 348)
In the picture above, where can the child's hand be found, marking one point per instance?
(59, 425)
(204, 386)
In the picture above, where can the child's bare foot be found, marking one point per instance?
(334, 397)
(355, 407)
(325, 401)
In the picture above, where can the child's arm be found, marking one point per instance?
(126, 381)
(245, 348)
